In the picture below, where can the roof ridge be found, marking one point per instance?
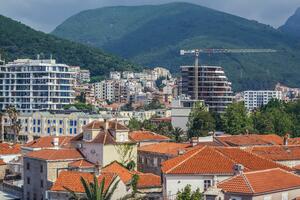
(247, 182)
(198, 151)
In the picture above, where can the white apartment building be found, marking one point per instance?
(256, 98)
(80, 75)
(63, 123)
(33, 85)
(105, 90)
(115, 75)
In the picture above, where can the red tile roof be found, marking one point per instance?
(216, 160)
(277, 153)
(100, 125)
(260, 182)
(2, 162)
(249, 140)
(294, 141)
(71, 180)
(169, 148)
(55, 154)
(47, 142)
(6, 149)
(81, 164)
(147, 180)
(140, 136)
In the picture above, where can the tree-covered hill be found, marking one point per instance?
(292, 25)
(20, 41)
(153, 35)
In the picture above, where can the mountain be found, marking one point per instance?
(292, 25)
(20, 41)
(153, 35)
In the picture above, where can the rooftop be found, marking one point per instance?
(81, 164)
(216, 160)
(140, 136)
(47, 142)
(7, 149)
(55, 154)
(260, 182)
(71, 180)
(249, 140)
(169, 148)
(96, 124)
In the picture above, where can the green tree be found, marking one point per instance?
(188, 194)
(200, 121)
(15, 123)
(177, 134)
(81, 98)
(95, 191)
(154, 104)
(134, 124)
(236, 119)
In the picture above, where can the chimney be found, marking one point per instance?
(238, 169)
(97, 169)
(181, 152)
(194, 141)
(55, 142)
(286, 139)
(106, 124)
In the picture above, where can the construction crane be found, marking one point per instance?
(197, 53)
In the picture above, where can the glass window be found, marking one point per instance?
(71, 122)
(38, 129)
(75, 130)
(70, 130)
(48, 121)
(34, 129)
(48, 130)
(60, 130)
(34, 122)
(207, 184)
(60, 122)
(28, 180)
(39, 122)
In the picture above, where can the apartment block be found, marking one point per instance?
(209, 84)
(256, 98)
(34, 85)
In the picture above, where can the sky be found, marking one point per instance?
(45, 15)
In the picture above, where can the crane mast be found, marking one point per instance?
(196, 53)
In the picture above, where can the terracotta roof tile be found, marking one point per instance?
(169, 148)
(260, 182)
(249, 140)
(71, 180)
(96, 124)
(146, 180)
(294, 141)
(81, 164)
(216, 160)
(2, 162)
(47, 142)
(139, 136)
(6, 149)
(277, 153)
(55, 154)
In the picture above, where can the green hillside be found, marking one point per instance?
(153, 35)
(20, 41)
(292, 25)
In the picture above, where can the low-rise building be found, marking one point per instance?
(147, 137)
(265, 184)
(204, 166)
(256, 98)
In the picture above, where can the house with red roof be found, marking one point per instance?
(9, 152)
(204, 166)
(269, 184)
(144, 137)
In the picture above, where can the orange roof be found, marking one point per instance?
(294, 141)
(114, 106)
(277, 153)
(216, 160)
(2, 162)
(147, 180)
(6, 149)
(139, 136)
(249, 140)
(100, 125)
(260, 182)
(71, 180)
(170, 148)
(47, 142)
(81, 164)
(55, 154)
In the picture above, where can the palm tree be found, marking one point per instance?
(177, 133)
(16, 125)
(95, 191)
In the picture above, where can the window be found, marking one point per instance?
(75, 123)
(71, 130)
(60, 130)
(207, 184)
(39, 122)
(38, 129)
(48, 121)
(60, 122)
(41, 168)
(71, 122)
(54, 121)
(42, 183)
(28, 166)
(84, 122)
(34, 129)
(28, 180)
(26, 128)
(75, 130)
(48, 130)
(34, 122)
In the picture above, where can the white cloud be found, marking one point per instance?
(45, 15)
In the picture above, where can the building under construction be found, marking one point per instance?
(208, 83)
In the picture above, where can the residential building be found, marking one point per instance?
(103, 142)
(162, 72)
(264, 184)
(41, 168)
(210, 85)
(147, 137)
(204, 166)
(180, 109)
(9, 152)
(254, 99)
(80, 75)
(38, 124)
(115, 75)
(34, 85)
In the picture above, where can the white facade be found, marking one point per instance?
(180, 111)
(256, 98)
(33, 85)
(115, 75)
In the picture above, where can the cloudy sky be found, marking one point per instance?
(45, 15)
